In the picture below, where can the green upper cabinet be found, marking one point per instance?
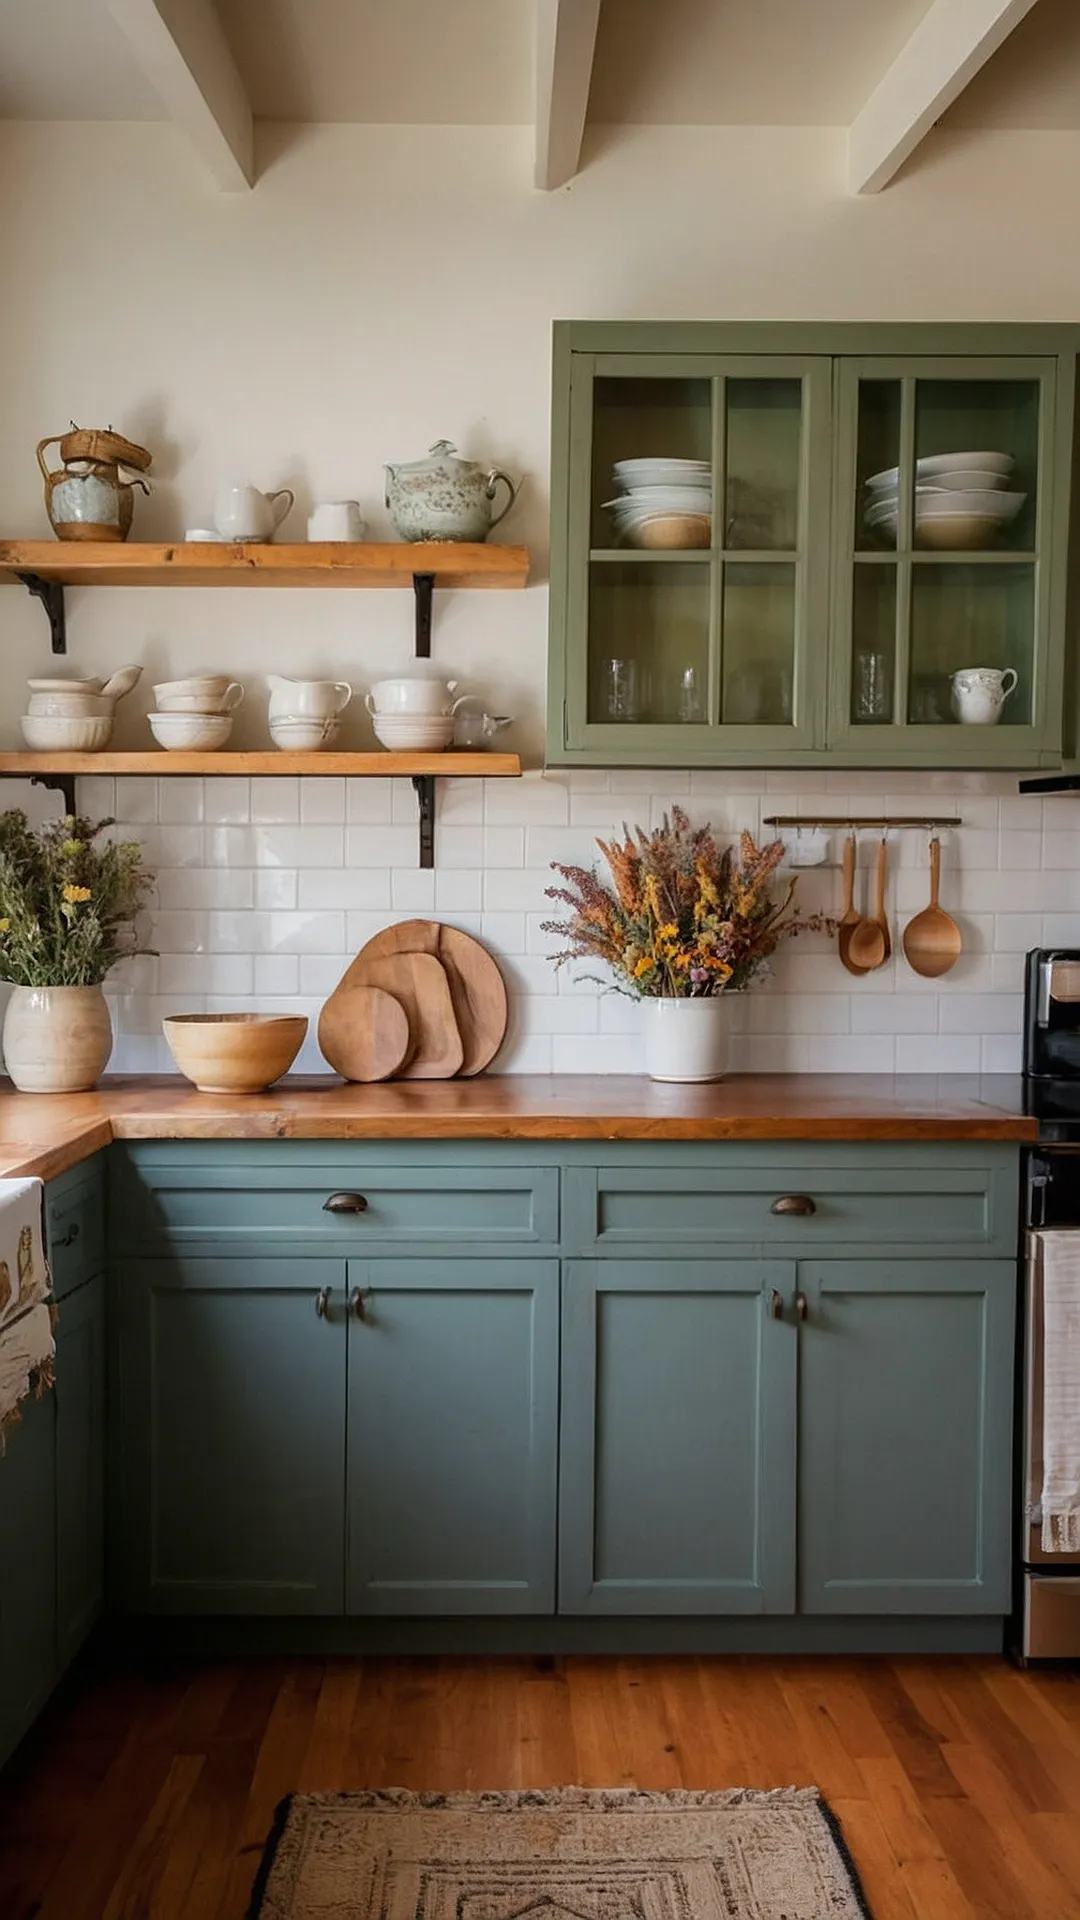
(777, 545)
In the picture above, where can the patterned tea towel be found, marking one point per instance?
(1059, 1259)
(27, 1346)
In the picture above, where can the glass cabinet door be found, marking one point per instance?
(942, 560)
(698, 557)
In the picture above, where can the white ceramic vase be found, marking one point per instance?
(687, 1039)
(56, 1039)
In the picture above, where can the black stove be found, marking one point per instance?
(1052, 1085)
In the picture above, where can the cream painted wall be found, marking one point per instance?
(383, 287)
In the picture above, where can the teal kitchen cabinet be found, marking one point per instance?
(80, 1465)
(836, 588)
(677, 1478)
(452, 1434)
(230, 1434)
(905, 1435)
(28, 1662)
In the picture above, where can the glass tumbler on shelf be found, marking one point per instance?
(872, 692)
(622, 701)
(689, 697)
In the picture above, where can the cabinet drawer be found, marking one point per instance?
(801, 1206)
(283, 1206)
(74, 1234)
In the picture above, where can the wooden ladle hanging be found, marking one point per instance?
(932, 941)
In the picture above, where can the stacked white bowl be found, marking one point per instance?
(67, 716)
(194, 715)
(304, 715)
(414, 712)
(663, 502)
(961, 500)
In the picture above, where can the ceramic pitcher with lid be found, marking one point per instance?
(443, 497)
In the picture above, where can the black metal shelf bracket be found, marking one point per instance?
(424, 591)
(57, 783)
(425, 795)
(51, 595)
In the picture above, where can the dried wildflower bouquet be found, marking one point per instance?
(682, 919)
(66, 899)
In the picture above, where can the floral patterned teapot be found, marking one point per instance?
(445, 498)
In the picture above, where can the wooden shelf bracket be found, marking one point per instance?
(51, 595)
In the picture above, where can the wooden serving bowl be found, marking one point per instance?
(234, 1052)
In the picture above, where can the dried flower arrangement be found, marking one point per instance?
(684, 919)
(65, 896)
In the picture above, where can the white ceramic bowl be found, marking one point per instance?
(190, 732)
(169, 701)
(46, 733)
(670, 466)
(302, 733)
(412, 695)
(412, 733)
(71, 706)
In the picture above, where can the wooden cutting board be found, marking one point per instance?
(364, 1033)
(419, 982)
(477, 988)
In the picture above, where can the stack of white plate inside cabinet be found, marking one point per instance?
(961, 500)
(663, 502)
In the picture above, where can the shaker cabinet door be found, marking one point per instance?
(27, 1569)
(80, 1465)
(905, 1436)
(453, 1412)
(231, 1441)
(677, 1458)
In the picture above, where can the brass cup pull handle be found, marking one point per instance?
(345, 1203)
(802, 1306)
(358, 1300)
(793, 1203)
(322, 1303)
(69, 1238)
(776, 1305)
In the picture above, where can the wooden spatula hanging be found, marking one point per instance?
(870, 944)
(851, 916)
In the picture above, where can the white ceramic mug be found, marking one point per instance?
(243, 513)
(979, 694)
(336, 520)
(218, 695)
(412, 693)
(306, 699)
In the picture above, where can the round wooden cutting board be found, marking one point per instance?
(364, 1033)
(477, 988)
(419, 982)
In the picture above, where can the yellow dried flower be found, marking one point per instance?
(75, 896)
(4, 925)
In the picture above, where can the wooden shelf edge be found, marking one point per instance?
(359, 766)
(181, 563)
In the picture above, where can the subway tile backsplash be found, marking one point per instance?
(267, 887)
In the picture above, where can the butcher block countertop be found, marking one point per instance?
(46, 1134)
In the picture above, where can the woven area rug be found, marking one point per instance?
(566, 1855)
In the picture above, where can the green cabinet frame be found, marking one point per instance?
(828, 358)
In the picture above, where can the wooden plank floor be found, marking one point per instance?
(147, 1796)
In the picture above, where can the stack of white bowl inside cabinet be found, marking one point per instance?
(663, 503)
(961, 500)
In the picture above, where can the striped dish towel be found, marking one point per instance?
(1059, 1260)
(27, 1346)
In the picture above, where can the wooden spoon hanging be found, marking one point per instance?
(851, 916)
(870, 944)
(932, 941)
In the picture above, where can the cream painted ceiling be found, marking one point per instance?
(681, 62)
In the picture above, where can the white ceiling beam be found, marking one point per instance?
(182, 50)
(951, 42)
(565, 44)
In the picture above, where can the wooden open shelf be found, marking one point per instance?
(311, 564)
(449, 765)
